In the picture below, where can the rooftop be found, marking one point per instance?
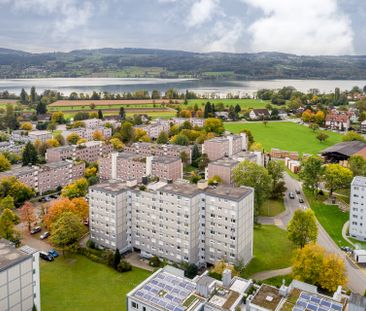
(359, 181)
(165, 160)
(38, 133)
(17, 171)
(229, 192)
(347, 148)
(267, 297)
(131, 156)
(182, 188)
(9, 255)
(226, 162)
(112, 187)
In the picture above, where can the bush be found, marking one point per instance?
(90, 244)
(215, 275)
(154, 262)
(124, 266)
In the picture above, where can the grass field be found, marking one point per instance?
(277, 280)
(272, 208)
(244, 103)
(76, 283)
(285, 135)
(272, 250)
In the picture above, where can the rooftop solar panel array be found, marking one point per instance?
(166, 291)
(307, 301)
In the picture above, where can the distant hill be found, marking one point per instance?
(130, 62)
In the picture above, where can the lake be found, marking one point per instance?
(203, 87)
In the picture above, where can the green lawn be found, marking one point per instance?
(272, 208)
(244, 103)
(330, 217)
(272, 250)
(277, 280)
(285, 135)
(76, 283)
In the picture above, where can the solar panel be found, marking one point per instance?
(315, 302)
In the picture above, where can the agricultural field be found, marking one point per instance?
(244, 103)
(77, 283)
(285, 135)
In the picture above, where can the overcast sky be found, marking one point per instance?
(306, 27)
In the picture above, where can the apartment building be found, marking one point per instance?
(194, 121)
(49, 176)
(149, 149)
(19, 278)
(219, 147)
(43, 136)
(153, 130)
(177, 221)
(181, 293)
(89, 151)
(357, 212)
(223, 168)
(128, 166)
(88, 133)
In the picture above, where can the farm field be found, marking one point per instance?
(77, 283)
(244, 103)
(285, 135)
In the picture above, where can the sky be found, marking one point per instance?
(303, 27)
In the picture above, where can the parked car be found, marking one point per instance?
(291, 195)
(36, 230)
(53, 253)
(346, 249)
(44, 235)
(301, 200)
(45, 256)
(298, 191)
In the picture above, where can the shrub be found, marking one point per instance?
(154, 262)
(124, 266)
(90, 244)
(215, 275)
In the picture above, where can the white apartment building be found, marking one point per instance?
(177, 221)
(19, 278)
(357, 214)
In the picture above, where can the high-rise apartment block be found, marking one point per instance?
(19, 278)
(177, 221)
(357, 212)
(226, 146)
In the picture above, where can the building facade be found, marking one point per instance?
(19, 278)
(129, 166)
(337, 121)
(89, 152)
(227, 146)
(357, 212)
(177, 221)
(48, 176)
(88, 133)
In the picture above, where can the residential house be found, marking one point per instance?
(259, 114)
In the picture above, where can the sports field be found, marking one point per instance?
(285, 136)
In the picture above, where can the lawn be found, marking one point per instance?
(330, 217)
(272, 250)
(76, 283)
(244, 103)
(272, 208)
(285, 135)
(277, 280)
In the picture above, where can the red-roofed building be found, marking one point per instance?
(337, 121)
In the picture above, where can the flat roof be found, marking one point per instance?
(226, 162)
(111, 187)
(9, 255)
(182, 188)
(131, 156)
(165, 160)
(229, 192)
(39, 132)
(267, 297)
(359, 181)
(18, 171)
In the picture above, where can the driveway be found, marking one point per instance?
(356, 276)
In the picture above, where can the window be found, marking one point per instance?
(135, 305)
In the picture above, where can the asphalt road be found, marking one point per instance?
(356, 276)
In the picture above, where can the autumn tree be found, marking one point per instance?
(58, 117)
(72, 138)
(7, 202)
(214, 125)
(322, 136)
(311, 172)
(333, 273)
(5, 165)
(253, 175)
(52, 143)
(117, 144)
(66, 231)
(302, 228)
(163, 138)
(29, 155)
(352, 136)
(98, 135)
(8, 220)
(11, 186)
(27, 214)
(26, 126)
(276, 169)
(78, 188)
(337, 177)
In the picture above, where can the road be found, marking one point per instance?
(356, 276)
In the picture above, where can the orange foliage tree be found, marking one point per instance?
(27, 214)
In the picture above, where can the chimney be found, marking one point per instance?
(226, 278)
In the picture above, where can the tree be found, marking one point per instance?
(11, 186)
(60, 139)
(7, 203)
(311, 172)
(5, 165)
(26, 126)
(322, 136)
(357, 164)
(52, 143)
(352, 136)
(66, 231)
(333, 273)
(337, 177)
(29, 155)
(78, 188)
(116, 258)
(33, 95)
(214, 125)
(184, 157)
(163, 138)
(126, 131)
(72, 138)
(302, 228)
(23, 97)
(250, 137)
(203, 161)
(190, 270)
(195, 152)
(8, 219)
(27, 214)
(117, 144)
(314, 127)
(100, 114)
(319, 117)
(58, 117)
(98, 135)
(180, 139)
(252, 175)
(237, 109)
(122, 113)
(41, 108)
(276, 169)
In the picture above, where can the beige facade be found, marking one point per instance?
(219, 147)
(88, 133)
(177, 221)
(40, 135)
